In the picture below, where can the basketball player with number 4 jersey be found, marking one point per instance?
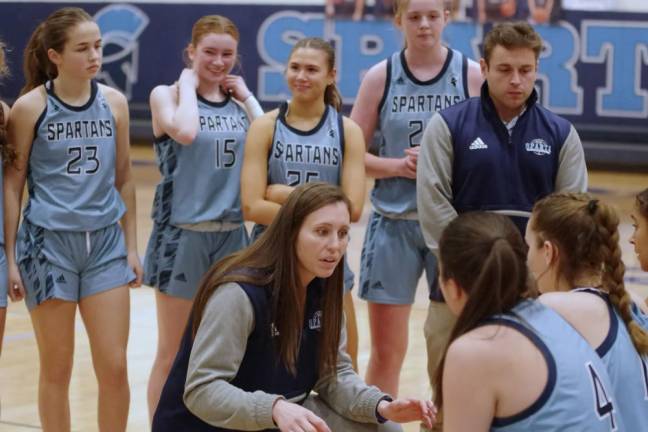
(512, 363)
(571, 239)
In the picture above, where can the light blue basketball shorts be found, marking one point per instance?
(393, 258)
(176, 258)
(70, 265)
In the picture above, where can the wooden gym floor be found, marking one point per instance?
(19, 362)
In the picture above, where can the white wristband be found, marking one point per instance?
(252, 107)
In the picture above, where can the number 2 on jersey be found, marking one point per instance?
(76, 167)
(416, 128)
(604, 406)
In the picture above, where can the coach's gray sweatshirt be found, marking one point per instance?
(218, 349)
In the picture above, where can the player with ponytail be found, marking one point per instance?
(512, 364)
(575, 256)
(77, 244)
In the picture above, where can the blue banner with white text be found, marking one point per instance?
(593, 70)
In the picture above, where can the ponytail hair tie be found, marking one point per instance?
(592, 205)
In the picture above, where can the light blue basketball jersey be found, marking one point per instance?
(201, 182)
(406, 108)
(1, 203)
(628, 370)
(639, 316)
(297, 157)
(71, 175)
(578, 395)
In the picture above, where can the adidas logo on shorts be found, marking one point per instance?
(61, 279)
(478, 144)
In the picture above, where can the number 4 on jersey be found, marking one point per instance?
(604, 405)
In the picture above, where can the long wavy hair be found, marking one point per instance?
(271, 261)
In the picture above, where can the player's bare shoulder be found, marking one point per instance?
(30, 106)
(115, 98)
(376, 76)
(267, 120)
(164, 93)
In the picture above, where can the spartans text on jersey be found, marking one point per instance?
(80, 129)
(423, 103)
(307, 153)
(223, 123)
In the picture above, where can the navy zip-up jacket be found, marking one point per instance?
(470, 162)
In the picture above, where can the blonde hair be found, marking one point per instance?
(585, 230)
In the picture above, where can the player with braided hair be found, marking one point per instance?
(639, 237)
(534, 370)
(573, 244)
(639, 240)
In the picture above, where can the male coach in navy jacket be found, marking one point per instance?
(499, 152)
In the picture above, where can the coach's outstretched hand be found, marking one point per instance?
(291, 417)
(408, 410)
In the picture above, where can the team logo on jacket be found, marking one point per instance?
(273, 330)
(315, 323)
(538, 147)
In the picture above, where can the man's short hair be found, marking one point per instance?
(511, 35)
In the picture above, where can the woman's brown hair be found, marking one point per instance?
(642, 203)
(485, 255)
(586, 234)
(6, 152)
(331, 94)
(50, 34)
(271, 261)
